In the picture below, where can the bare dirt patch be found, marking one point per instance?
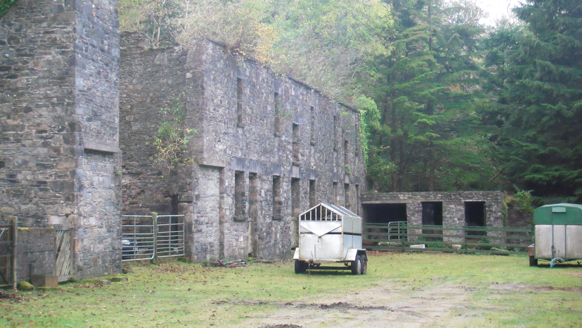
(387, 305)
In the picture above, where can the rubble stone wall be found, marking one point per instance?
(231, 107)
(59, 157)
(453, 206)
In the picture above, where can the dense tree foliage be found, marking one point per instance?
(427, 91)
(446, 104)
(536, 80)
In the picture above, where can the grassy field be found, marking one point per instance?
(461, 290)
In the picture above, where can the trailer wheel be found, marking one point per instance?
(357, 266)
(300, 267)
(364, 264)
(533, 261)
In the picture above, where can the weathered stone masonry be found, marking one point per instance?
(253, 128)
(59, 158)
(453, 207)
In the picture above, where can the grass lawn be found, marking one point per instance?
(457, 290)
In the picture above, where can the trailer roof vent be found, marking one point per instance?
(327, 212)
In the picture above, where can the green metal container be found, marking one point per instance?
(558, 232)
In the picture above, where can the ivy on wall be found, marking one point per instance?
(5, 5)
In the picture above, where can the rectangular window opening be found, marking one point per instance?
(296, 144)
(346, 156)
(277, 200)
(239, 102)
(312, 194)
(347, 203)
(335, 133)
(358, 199)
(312, 126)
(240, 206)
(277, 114)
(335, 196)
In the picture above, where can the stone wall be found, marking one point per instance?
(231, 105)
(453, 206)
(59, 127)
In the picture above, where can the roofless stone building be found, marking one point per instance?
(264, 147)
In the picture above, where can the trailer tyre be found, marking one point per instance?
(357, 265)
(300, 267)
(533, 261)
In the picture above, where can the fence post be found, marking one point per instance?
(14, 251)
(155, 227)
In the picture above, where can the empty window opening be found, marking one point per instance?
(346, 156)
(239, 102)
(475, 216)
(432, 214)
(357, 129)
(240, 205)
(277, 199)
(312, 195)
(296, 150)
(335, 133)
(253, 212)
(358, 199)
(296, 197)
(312, 126)
(335, 200)
(347, 203)
(277, 115)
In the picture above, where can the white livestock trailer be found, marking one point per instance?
(330, 234)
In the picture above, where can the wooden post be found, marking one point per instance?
(155, 227)
(14, 251)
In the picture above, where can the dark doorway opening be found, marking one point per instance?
(432, 214)
(388, 214)
(384, 213)
(475, 216)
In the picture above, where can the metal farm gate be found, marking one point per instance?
(148, 237)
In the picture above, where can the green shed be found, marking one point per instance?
(558, 232)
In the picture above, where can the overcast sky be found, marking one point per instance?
(496, 9)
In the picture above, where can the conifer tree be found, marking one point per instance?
(426, 93)
(536, 74)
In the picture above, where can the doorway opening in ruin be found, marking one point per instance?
(475, 216)
(347, 196)
(384, 213)
(432, 214)
(390, 215)
(253, 213)
(295, 210)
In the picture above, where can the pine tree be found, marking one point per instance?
(426, 92)
(536, 73)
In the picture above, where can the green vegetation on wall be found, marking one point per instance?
(5, 5)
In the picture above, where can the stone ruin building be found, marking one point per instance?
(449, 209)
(79, 109)
(266, 147)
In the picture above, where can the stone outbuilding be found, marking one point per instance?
(449, 209)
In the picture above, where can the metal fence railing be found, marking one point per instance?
(148, 237)
(8, 240)
(462, 239)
